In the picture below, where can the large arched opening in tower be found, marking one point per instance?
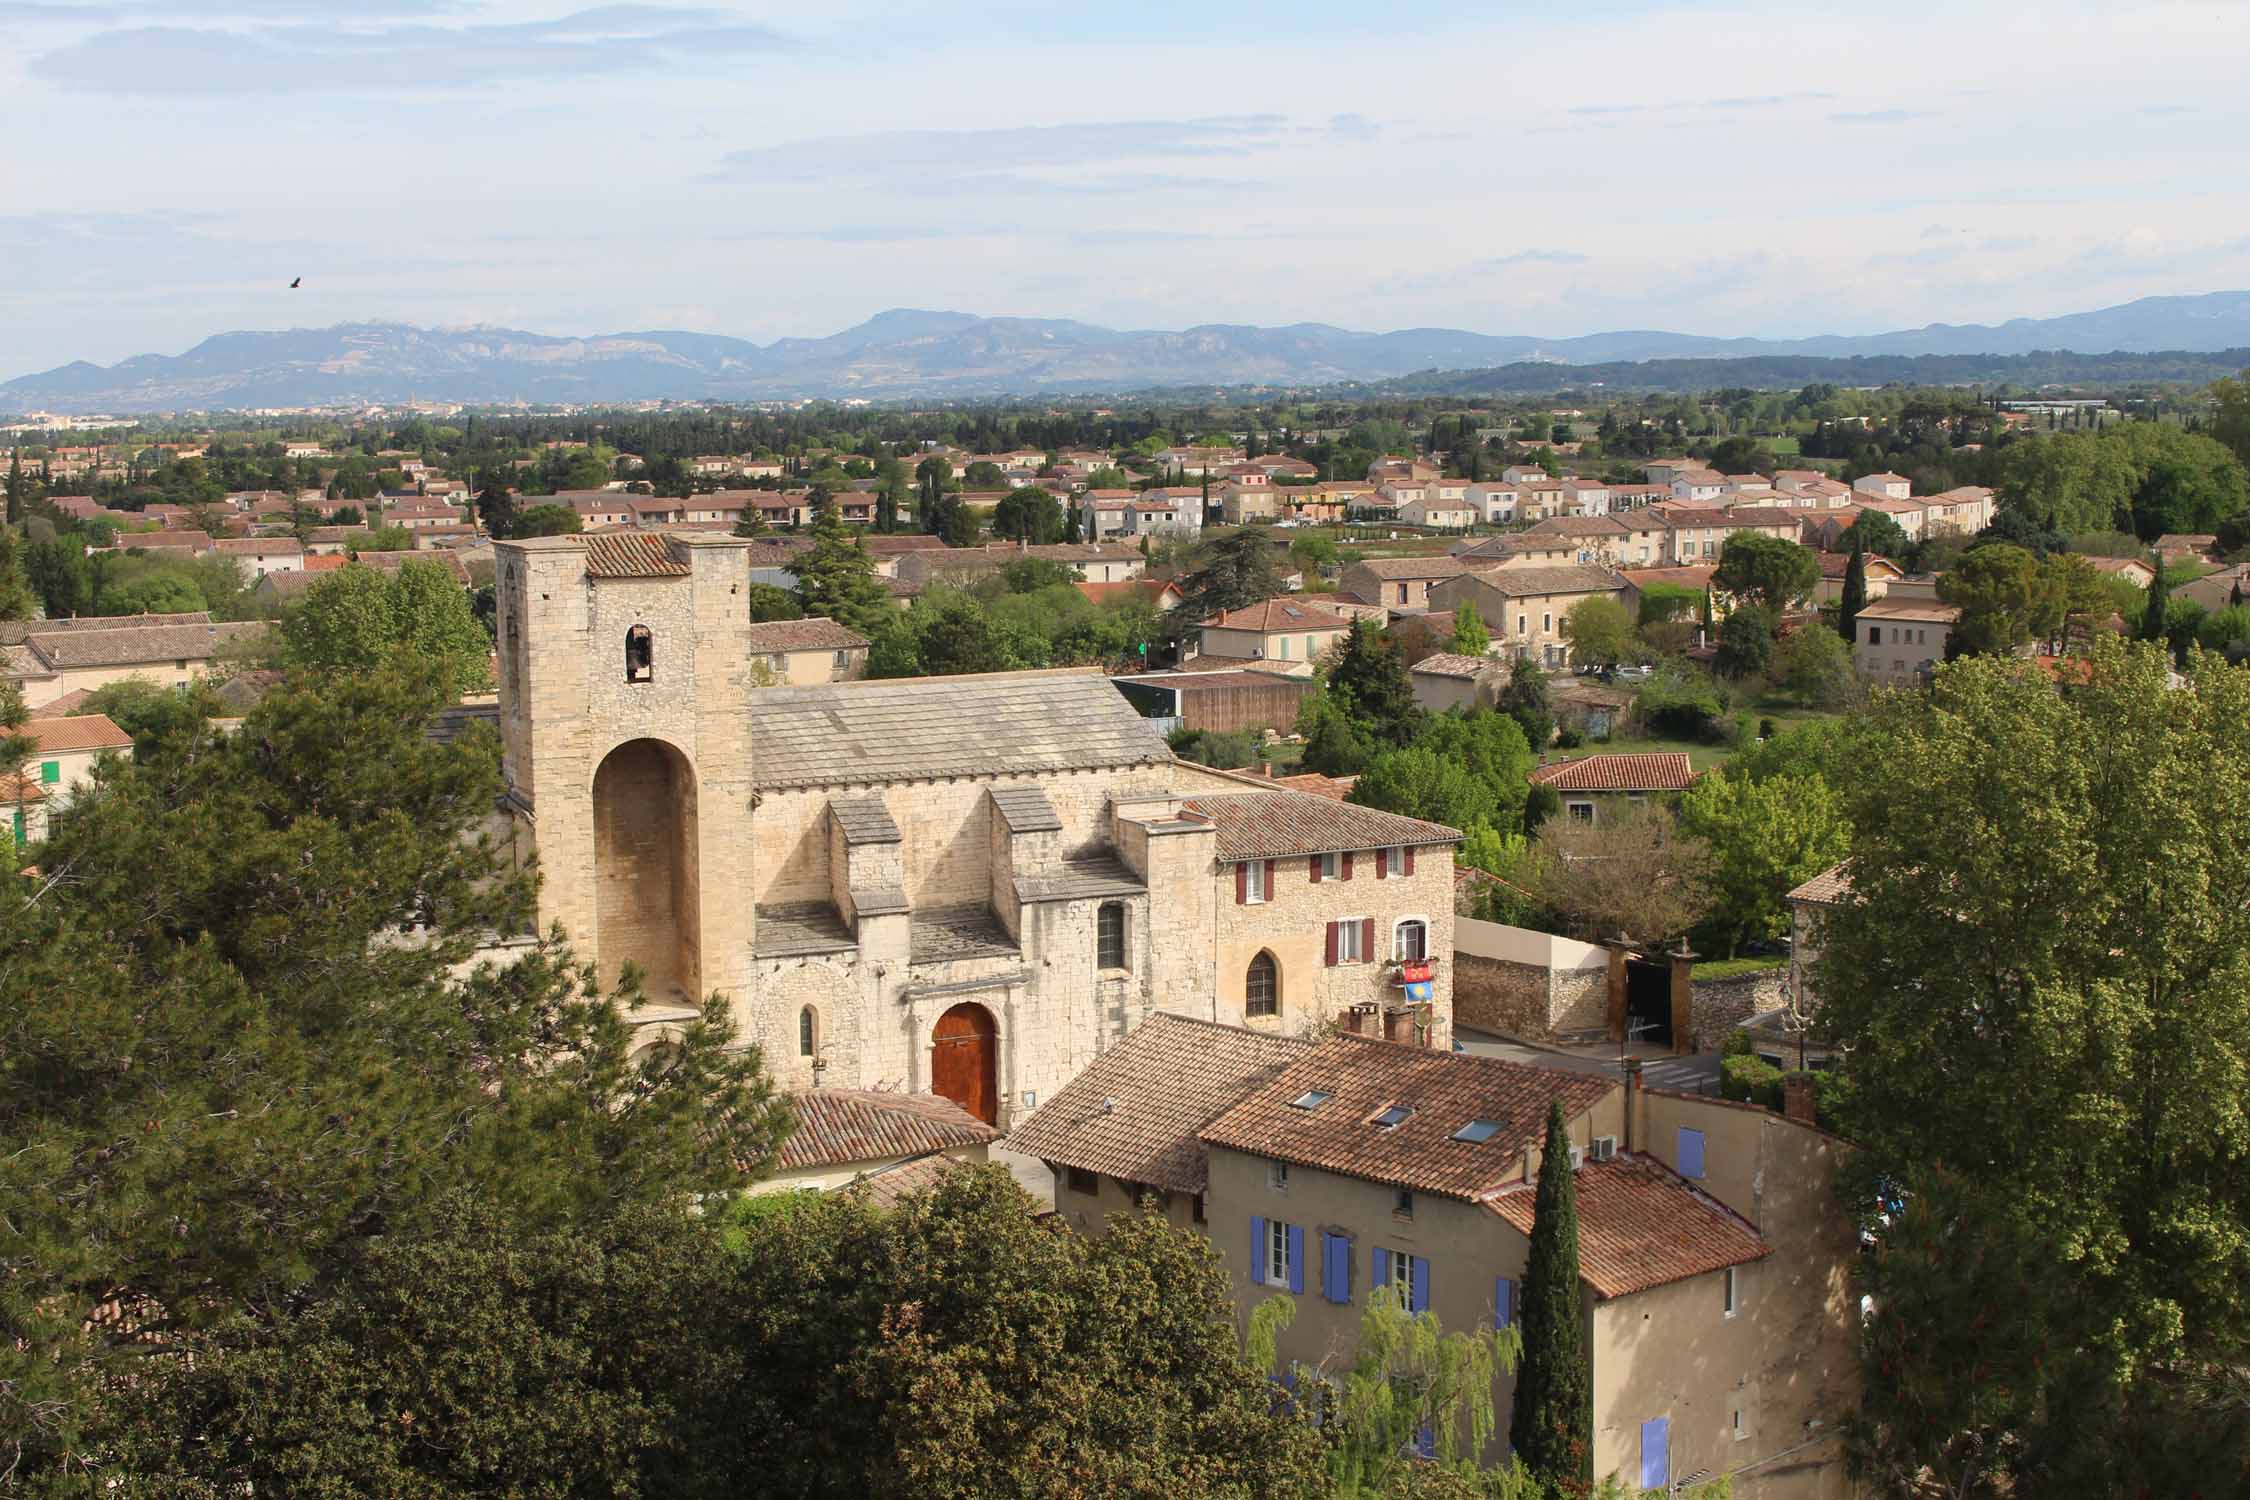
(645, 893)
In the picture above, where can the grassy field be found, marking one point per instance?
(1704, 756)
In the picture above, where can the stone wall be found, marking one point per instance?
(1723, 1004)
(1526, 1001)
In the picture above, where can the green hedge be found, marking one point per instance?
(1735, 968)
(1751, 1079)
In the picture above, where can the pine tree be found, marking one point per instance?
(1552, 1431)
(837, 578)
(2152, 617)
(1855, 596)
(1071, 532)
(1369, 683)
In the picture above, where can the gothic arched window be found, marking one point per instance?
(808, 1032)
(1261, 988)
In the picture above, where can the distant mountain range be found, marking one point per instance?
(909, 354)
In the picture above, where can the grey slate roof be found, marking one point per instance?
(942, 934)
(924, 728)
(796, 928)
(1079, 880)
(1026, 809)
(865, 820)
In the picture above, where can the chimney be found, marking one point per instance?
(1632, 1098)
(1798, 1100)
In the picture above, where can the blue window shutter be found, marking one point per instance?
(1656, 1453)
(1691, 1152)
(1382, 1270)
(1257, 1252)
(1425, 1443)
(1503, 1302)
(1296, 1259)
(1418, 1273)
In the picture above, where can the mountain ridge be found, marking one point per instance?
(904, 353)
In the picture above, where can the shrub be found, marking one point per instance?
(1752, 1079)
(1567, 738)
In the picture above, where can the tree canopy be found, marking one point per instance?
(359, 619)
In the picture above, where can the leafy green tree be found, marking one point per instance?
(1333, 746)
(1813, 665)
(151, 713)
(18, 487)
(984, 475)
(1028, 575)
(1227, 751)
(546, 520)
(1766, 570)
(961, 527)
(16, 599)
(2071, 482)
(1599, 631)
(1030, 515)
(2230, 415)
(1765, 838)
(2185, 481)
(166, 591)
(836, 578)
(1470, 638)
(1463, 770)
(771, 602)
(59, 574)
(358, 619)
(2050, 958)
(1524, 699)
(1232, 571)
(1879, 534)
(1367, 680)
(2008, 600)
(220, 1121)
(956, 1348)
(1552, 1431)
(1745, 643)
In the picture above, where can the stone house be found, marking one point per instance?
(1524, 607)
(1714, 1260)
(1594, 785)
(1399, 582)
(794, 652)
(963, 886)
(1900, 638)
(1285, 634)
(48, 659)
(1447, 680)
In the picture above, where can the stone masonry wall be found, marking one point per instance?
(1723, 1004)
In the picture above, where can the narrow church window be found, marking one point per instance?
(808, 1027)
(640, 654)
(1261, 990)
(1110, 924)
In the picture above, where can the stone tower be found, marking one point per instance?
(625, 730)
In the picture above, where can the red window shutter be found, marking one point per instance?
(1382, 864)
(1367, 940)
(1241, 884)
(1271, 892)
(1313, 865)
(1347, 864)
(1409, 859)
(1332, 945)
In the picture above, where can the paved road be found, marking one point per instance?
(1697, 1074)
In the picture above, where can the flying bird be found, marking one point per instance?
(300, 281)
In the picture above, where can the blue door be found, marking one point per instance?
(1656, 1453)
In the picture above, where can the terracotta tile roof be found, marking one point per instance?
(1277, 614)
(1445, 1091)
(815, 634)
(1891, 608)
(1282, 824)
(923, 728)
(1640, 1226)
(1694, 576)
(60, 650)
(1825, 889)
(261, 546)
(1336, 787)
(1566, 578)
(1652, 771)
(56, 736)
(1410, 567)
(891, 1186)
(1577, 526)
(631, 555)
(1165, 1082)
(835, 1126)
(15, 632)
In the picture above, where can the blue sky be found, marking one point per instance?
(1750, 168)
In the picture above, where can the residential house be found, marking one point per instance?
(1383, 470)
(2135, 572)
(1281, 632)
(1350, 606)
(1699, 486)
(1399, 582)
(414, 516)
(2223, 589)
(1594, 786)
(1495, 500)
(1714, 1257)
(333, 541)
(64, 749)
(795, 652)
(1524, 607)
(1525, 474)
(1439, 514)
(1249, 500)
(2179, 547)
(1962, 511)
(1698, 533)
(1639, 580)
(1879, 571)
(50, 658)
(1106, 514)
(1910, 514)
(1585, 497)
(1447, 680)
(259, 556)
(1604, 541)
(1594, 709)
(1902, 636)
(1884, 486)
(1161, 593)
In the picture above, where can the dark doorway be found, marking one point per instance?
(1648, 1002)
(965, 1061)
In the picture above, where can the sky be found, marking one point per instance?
(1772, 169)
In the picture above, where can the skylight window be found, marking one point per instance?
(1395, 1116)
(1310, 1099)
(1477, 1132)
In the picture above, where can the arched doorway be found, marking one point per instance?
(645, 898)
(965, 1061)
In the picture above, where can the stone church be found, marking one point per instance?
(967, 886)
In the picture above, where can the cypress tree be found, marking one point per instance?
(1553, 1428)
(1855, 595)
(2152, 618)
(15, 486)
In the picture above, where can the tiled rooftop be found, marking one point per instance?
(836, 1126)
(815, 634)
(631, 554)
(1641, 1226)
(1163, 1084)
(1827, 888)
(1653, 771)
(1278, 824)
